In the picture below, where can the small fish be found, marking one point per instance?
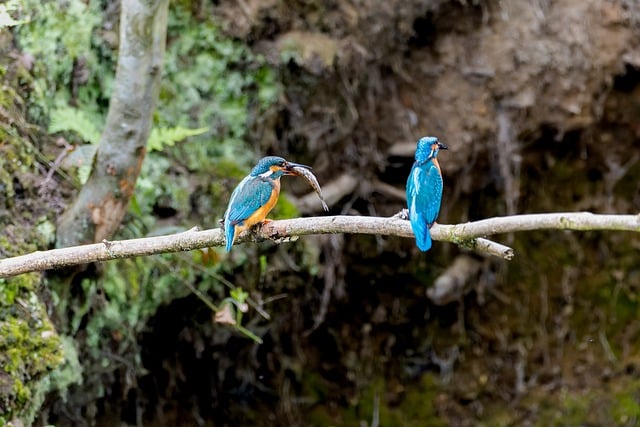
(313, 181)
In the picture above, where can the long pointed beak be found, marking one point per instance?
(288, 169)
(442, 146)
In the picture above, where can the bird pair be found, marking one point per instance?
(257, 193)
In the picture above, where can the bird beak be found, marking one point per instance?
(288, 169)
(442, 146)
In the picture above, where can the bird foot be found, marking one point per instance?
(403, 214)
(274, 237)
(257, 227)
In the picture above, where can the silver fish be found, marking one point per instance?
(313, 181)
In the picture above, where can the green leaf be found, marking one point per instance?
(68, 119)
(167, 137)
(239, 295)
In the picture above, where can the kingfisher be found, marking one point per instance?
(256, 195)
(424, 190)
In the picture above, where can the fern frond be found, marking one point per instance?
(167, 137)
(68, 119)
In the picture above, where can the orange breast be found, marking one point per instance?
(435, 162)
(261, 213)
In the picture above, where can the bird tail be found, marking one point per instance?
(421, 231)
(424, 241)
(229, 232)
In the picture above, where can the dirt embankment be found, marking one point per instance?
(538, 102)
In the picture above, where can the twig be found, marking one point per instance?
(467, 235)
(403, 149)
(450, 285)
(389, 190)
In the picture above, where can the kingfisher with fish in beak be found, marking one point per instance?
(257, 194)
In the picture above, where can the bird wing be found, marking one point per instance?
(424, 193)
(252, 193)
(429, 196)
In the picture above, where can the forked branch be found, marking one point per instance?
(470, 235)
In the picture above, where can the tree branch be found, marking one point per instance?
(578, 221)
(467, 235)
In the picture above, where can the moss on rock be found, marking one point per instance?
(29, 345)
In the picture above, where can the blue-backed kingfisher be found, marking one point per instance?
(256, 195)
(424, 190)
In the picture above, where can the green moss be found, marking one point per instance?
(615, 403)
(22, 393)
(625, 407)
(566, 409)
(70, 372)
(415, 408)
(16, 158)
(29, 345)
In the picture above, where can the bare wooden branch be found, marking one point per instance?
(468, 235)
(451, 283)
(579, 221)
(403, 149)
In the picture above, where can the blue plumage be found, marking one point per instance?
(255, 196)
(251, 194)
(424, 190)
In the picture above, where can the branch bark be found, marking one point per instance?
(102, 202)
(467, 235)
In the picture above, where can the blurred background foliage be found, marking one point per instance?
(212, 88)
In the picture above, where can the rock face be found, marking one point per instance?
(538, 102)
(487, 77)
